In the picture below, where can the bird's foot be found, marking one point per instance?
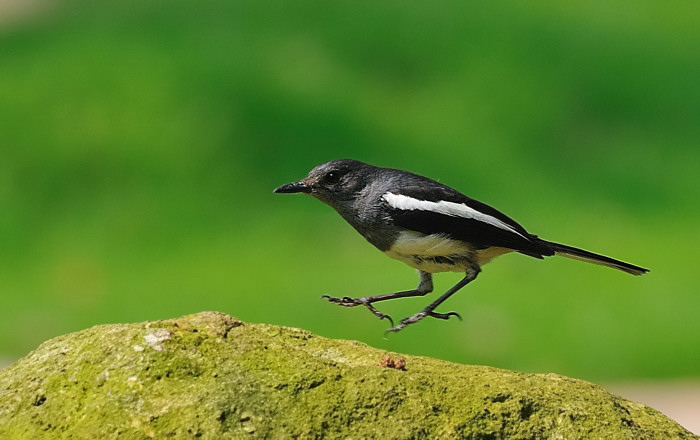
(346, 301)
(419, 316)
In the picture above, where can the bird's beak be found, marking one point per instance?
(294, 187)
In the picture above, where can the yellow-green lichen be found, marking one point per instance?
(210, 376)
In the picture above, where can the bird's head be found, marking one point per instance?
(333, 182)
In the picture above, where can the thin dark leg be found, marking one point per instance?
(472, 272)
(424, 287)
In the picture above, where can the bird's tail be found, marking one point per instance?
(590, 257)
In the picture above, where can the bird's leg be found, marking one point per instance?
(425, 286)
(472, 272)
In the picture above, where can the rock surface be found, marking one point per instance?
(210, 376)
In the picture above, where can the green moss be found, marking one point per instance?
(211, 376)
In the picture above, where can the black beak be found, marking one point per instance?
(294, 187)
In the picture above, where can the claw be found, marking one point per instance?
(445, 315)
(379, 314)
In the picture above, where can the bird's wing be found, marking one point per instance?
(432, 208)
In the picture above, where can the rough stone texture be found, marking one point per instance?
(210, 376)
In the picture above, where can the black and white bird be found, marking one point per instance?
(427, 225)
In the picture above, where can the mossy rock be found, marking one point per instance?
(210, 376)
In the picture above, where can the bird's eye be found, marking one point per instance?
(332, 177)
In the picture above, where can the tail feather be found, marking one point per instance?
(590, 257)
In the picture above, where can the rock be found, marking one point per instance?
(210, 376)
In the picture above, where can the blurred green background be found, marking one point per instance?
(141, 141)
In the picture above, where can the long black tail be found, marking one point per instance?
(590, 257)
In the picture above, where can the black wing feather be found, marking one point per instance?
(478, 233)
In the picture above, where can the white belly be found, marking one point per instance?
(431, 253)
(438, 253)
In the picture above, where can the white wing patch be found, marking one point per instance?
(406, 203)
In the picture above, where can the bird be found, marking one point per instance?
(427, 225)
